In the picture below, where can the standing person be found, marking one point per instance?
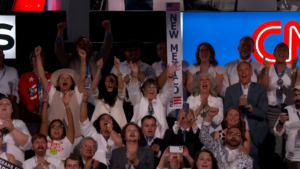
(245, 48)
(132, 155)
(31, 95)
(251, 99)
(110, 94)
(41, 160)
(62, 82)
(289, 123)
(9, 80)
(74, 61)
(278, 79)
(59, 141)
(16, 137)
(228, 155)
(206, 62)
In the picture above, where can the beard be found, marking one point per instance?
(297, 104)
(233, 143)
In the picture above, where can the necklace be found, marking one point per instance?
(229, 163)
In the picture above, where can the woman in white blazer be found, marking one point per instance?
(203, 98)
(110, 95)
(148, 102)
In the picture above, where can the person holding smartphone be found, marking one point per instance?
(289, 123)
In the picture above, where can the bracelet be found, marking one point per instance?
(129, 77)
(44, 100)
(120, 74)
(66, 105)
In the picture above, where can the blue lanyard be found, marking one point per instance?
(148, 140)
(39, 83)
(105, 138)
(282, 73)
(88, 71)
(4, 71)
(298, 115)
(238, 61)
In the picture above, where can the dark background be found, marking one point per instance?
(40, 28)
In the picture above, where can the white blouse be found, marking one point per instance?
(12, 147)
(117, 111)
(63, 148)
(55, 163)
(216, 102)
(193, 69)
(159, 104)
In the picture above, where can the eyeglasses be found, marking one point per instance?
(87, 146)
(57, 127)
(105, 118)
(135, 130)
(74, 166)
(204, 50)
(132, 50)
(235, 134)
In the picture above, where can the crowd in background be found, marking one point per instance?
(242, 115)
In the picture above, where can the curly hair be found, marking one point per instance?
(109, 98)
(15, 110)
(61, 123)
(213, 61)
(242, 125)
(214, 85)
(213, 159)
(123, 131)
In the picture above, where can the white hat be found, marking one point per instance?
(56, 74)
(297, 87)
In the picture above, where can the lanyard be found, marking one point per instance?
(298, 115)
(238, 61)
(4, 71)
(39, 83)
(149, 140)
(163, 66)
(105, 138)
(208, 68)
(282, 73)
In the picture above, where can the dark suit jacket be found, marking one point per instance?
(119, 159)
(192, 141)
(257, 98)
(101, 165)
(162, 146)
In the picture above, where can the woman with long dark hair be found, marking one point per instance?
(110, 95)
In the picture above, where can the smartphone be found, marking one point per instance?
(155, 142)
(285, 111)
(186, 108)
(176, 149)
(4, 131)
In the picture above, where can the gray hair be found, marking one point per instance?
(88, 138)
(244, 62)
(214, 85)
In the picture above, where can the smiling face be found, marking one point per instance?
(204, 161)
(65, 82)
(149, 127)
(88, 149)
(39, 146)
(232, 118)
(204, 84)
(204, 53)
(281, 53)
(56, 130)
(6, 109)
(150, 91)
(110, 83)
(245, 72)
(245, 48)
(104, 120)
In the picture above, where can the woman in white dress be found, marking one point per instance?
(59, 141)
(6, 156)
(203, 98)
(16, 137)
(206, 62)
(110, 95)
(147, 102)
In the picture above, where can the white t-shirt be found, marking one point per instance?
(63, 148)
(54, 163)
(193, 69)
(76, 92)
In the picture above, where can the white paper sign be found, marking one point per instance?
(8, 35)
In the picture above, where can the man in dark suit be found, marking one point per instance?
(251, 98)
(185, 132)
(88, 147)
(132, 156)
(149, 140)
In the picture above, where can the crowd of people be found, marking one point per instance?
(77, 118)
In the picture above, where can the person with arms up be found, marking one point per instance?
(289, 123)
(61, 83)
(9, 79)
(251, 99)
(59, 141)
(278, 80)
(41, 160)
(16, 137)
(31, 95)
(148, 102)
(245, 48)
(132, 156)
(228, 156)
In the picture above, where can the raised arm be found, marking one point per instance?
(40, 68)
(81, 82)
(189, 81)
(71, 131)
(120, 75)
(164, 158)
(115, 136)
(107, 44)
(44, 115)
(133, 87)
(63, 57)
(83, 109)
(264, 76)
(98, 73)
(162, 79)
(294, 71)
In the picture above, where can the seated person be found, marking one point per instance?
(73, 163)
(6, 156)
(205, 159)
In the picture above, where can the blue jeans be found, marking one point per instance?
(138, 5)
